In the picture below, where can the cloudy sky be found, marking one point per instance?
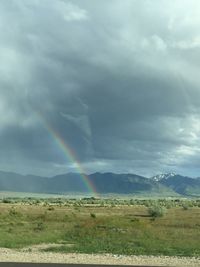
(117, 82)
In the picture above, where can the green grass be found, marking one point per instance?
(89, 227)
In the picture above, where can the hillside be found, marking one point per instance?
(104, 183)
(183, 185)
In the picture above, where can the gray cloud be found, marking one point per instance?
(118, 81)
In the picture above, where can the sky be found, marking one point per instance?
(100, 86)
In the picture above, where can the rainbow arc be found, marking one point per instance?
(70, 156)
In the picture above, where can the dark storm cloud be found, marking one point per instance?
(118, 80)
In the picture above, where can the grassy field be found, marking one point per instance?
(102, 226)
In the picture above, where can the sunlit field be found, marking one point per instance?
(132, 226)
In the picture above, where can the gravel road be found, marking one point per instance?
(8, 255)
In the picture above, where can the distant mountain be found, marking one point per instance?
(105, 183)
(126, 184)
(182, 185)
(10, 181)
(65, 183)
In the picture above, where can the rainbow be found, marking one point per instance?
(69, 155)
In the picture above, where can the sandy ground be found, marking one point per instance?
(34, 255)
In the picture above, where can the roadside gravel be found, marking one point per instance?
(11, 255)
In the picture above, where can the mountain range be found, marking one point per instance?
(169, 184)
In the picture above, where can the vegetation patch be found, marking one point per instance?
(118, 226)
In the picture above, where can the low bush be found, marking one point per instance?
(156, 211)
(92, 215)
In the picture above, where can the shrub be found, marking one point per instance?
(185, 206)
(13, 212)
(7, 201)
(92, 215)
(39, 226)
(156, 211)
(51, 208)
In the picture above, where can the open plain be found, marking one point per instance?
(100, 231)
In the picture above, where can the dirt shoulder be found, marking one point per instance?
(9, 255)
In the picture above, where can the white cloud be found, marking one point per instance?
(187, 44)
(159, 43)
(72, 12)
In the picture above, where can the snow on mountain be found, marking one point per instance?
(162, 176)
